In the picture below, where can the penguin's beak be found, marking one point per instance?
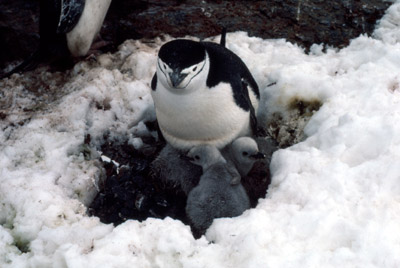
(176, 78)
(258, 155)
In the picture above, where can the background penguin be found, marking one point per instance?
(67, 28)
(203, 93)
(214, 196)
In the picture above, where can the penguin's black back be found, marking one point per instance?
(70, 14)
(53, 43)
(59, 17)
(226, 66)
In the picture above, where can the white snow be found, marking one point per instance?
(334, 200)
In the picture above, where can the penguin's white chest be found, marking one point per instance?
(203, 116)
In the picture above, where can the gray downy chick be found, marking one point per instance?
(254, 170)
(243, 153)
(175, 171)
(214, 196)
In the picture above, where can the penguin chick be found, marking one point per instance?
(243, 152)
(177, 172)
(214, 196)
(174, 170)
(259, 177)
(203, 94)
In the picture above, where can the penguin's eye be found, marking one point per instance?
(245, 153)
(194, 69)
(165, 66)
(197, 157)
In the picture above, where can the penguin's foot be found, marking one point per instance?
(99, 45)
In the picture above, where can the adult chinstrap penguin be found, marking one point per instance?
(203, 94)
(67, 28)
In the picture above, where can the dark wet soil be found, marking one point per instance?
(129, 191)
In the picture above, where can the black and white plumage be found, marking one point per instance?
(82, 34)
(66, 28)
(215, 196)
(203, 94)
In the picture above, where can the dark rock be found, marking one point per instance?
(303, 22)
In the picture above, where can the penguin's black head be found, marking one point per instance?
(182, 53)
(180, 61)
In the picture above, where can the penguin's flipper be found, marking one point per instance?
(253, 118)
(70, 12)
(222, 42)
(154, 82)
(235, 176)
(159, 133)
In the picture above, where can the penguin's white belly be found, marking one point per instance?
(81, 37)
(204, 116)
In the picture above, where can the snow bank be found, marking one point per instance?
(334, 198)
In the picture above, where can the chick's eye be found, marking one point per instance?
(245, 153)
(197, 157)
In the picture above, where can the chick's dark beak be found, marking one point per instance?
(176, 78)
(185, 157)
(258, 155)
